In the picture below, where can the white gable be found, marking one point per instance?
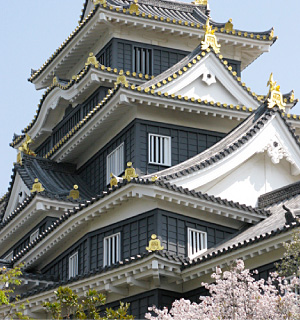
(209, 80)
(18, 194)
(268, 161)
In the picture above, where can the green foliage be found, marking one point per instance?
(9, 279)
(290, 263)
(68, 304)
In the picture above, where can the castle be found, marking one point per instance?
(149, 161)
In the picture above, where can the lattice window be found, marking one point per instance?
(73, 265)
(34, 235)
(115, 162)
(197, 242)
(112, 249)
(159, 149)
(142, 60)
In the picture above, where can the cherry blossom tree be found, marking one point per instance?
(236, 295)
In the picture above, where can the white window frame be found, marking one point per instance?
(111, 249)
(73, 265)
(9, 256)
(159, 153)
(34, 235)
(115, 162)
(197, 242)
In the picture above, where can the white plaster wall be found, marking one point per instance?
(251, 179)
(215, 92)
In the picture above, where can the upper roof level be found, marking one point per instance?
(163, 23)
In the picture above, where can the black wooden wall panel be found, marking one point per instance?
(94, 171)
(174, 232)
(135, 235)
(185, 143)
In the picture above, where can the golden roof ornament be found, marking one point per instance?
(229, 25)
(54, 81)
(200, 2)
(154, 178)
(275, 96)
(130, 172)
(92, 60)
(114, 180)
(24, 148)
(99, 2)
(74, 193)
(210, 40)
(154, 244)
(37, 186)
(122, 78)
(134, 7)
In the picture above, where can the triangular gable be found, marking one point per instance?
(19, 192)
(204, 76)
(261, 155)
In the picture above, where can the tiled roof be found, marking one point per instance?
(158, 183)
(239, 136)
(57, 178)
(181, 13)
(66, 86)
(270, 227)
(120, 264)
(188, 62)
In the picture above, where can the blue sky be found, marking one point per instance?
(32, 30)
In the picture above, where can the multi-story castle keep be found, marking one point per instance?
(149, 161)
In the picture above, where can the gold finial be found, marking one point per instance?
(114, 180)
(210, 40)
(134, 7)
(129, 172)
(272, 33)
(74, 193)
(200, 2)
(37, 186)
(92, 60)
(122, 78)
(229, 26)
(275, 96)
(154, 244)
(292, 97)
(154, 178)
(99, 2)
(24, 148)
(54, 81)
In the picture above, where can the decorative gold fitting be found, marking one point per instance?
(130, 172)
(122, 78)
(229, 26)
(92, 60)
(134, 7)
(210, 40)
(200, 2)
(114, 180)
(74, 193)
(154, 244)
(99, 2)
(275, 96)
(54, 81)
(24, 148)
(37, 186)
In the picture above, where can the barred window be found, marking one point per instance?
(197, 242)
(73, 265)
(112, 249)
(34, 235)
(115, 162)
(159, 149)
(142, 60)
